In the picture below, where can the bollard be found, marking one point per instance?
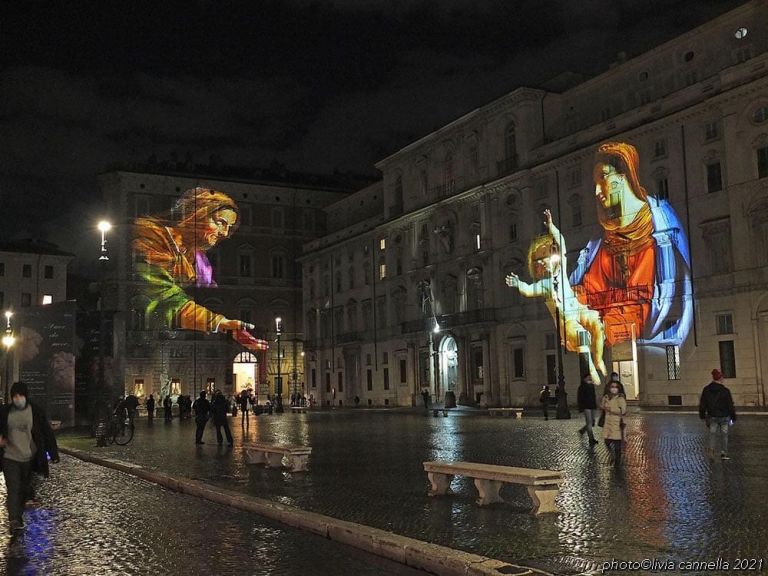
(101, 433)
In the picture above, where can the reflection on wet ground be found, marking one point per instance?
(96, 521)
(667, 501)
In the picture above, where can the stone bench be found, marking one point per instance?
(518, 412)
(543, 485)
(273, 455)
(436, 410)
(299, 409)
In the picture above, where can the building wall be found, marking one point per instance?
(19, 290)
(459, 229)
(275, 220)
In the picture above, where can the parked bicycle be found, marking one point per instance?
(119, 429)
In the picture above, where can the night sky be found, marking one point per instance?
(318, 86)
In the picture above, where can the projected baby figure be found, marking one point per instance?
(581, 329)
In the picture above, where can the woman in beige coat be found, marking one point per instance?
(615, 407)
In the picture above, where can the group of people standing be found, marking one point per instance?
(216, 410)
(715, 408)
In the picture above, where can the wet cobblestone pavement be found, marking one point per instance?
(667, 501)
(97, 521)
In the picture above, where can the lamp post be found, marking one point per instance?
(8, 341)
(104, 394)
(433, 342)
(555, 273)
(279, 378)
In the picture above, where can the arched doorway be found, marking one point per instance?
(244, 372)
(449, 365)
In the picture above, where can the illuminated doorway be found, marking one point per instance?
(244, 371)
(449, 365)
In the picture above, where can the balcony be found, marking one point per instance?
(448, 321)
(443, 190)
(506, 166)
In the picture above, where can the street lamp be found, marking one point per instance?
(555, 272)
(8, 341)
(103, 226)
(279, 379)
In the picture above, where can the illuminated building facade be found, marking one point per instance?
(656, 175)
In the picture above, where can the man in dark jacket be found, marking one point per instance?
(219, 411)
(587, 402)
(544, 397)
(151, 408)
(202, 410)
(27, 439)
(131, 404)
(716, 409)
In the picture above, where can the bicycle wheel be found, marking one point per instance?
(124, 434)
(111, 431)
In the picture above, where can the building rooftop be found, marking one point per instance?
(33, 246)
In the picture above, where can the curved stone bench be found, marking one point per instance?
(518, 412)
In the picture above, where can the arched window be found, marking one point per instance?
(399, 190)
(448, 172)
(575, 204)
(510, 141)
(278, 266)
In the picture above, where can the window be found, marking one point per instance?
(245, 215)
(549, 341)
(477, 242)
(369, 379)
(673, 362)
(245, 315)
(314, 377)
(26, 299)
(660, 148)
(338, 281)
(340, 382)
(383, 244)
(245, 265)
(2, 299)
(711, 131)
(26, 271)
(2, 268)
(574, 178)
(662, 189)
(48, 272)
(518, 363)
(47, 299)
(328, 382)
(510, 142)
(760, 115)
(403, 371)
(727, 359)
(366, 273)
(714, 177)
(351, 278)
(762, 162)
(278, 266)
(142, 206)
(724, 323)
(512, 232)
(386, 378)
(385, 358)
(399, 265)
(575, 203)
(382, 271)
(367, 359)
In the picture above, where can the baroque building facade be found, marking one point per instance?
(254, 280)
(407, 290)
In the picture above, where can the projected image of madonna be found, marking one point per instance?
(171, 262)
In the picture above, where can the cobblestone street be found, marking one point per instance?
(96, 521)
(667, 501)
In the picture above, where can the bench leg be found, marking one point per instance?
(518, 415)
(445, 413)
(543, 499)
(274, 460)
(297, 463)
(255, 457)
(488, 491)
(441, 483)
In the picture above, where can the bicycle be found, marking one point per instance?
(119, 430)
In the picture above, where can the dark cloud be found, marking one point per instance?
(86, 85)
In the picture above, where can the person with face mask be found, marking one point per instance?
(27, 440)
(614, 406)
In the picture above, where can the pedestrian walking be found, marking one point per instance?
(717, 411)
(425, 397)
(150, 408)
(219, 413)
(614, 406)
(168, 408)
(544, 397)
(202, 410)
(27, 440)
(587, 402)
(243, 400)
